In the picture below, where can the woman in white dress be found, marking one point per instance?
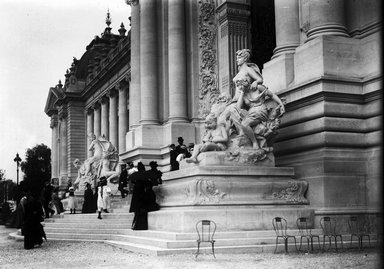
(103, 197)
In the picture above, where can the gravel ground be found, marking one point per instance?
(53, 254)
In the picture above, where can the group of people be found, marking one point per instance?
(143, 196)
(179, 152)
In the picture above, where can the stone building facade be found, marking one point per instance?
(145, 89)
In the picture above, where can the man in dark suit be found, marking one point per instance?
(123, 181)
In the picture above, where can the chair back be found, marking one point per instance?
(328, 225)
(354, 225)
(205, 230)
(303, 226)
(280, 226)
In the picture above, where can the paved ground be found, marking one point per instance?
(83, 255)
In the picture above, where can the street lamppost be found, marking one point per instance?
(17, 160)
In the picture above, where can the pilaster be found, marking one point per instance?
(113, 118)
(105, 116)
(233, 35)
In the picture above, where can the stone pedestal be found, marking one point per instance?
(236, 197)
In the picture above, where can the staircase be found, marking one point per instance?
(114, 229)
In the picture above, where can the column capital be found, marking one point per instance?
(123, 85)
(54, 120)
(95, 105)
(112, 93)
(132, 2)
(104, 100)
(89, 110)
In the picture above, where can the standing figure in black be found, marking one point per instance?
(88, 205)
(155, 178)
(32, 230)
(140, 203)
(123, 181)
(173, 156)
(182, 149)
(47, 197)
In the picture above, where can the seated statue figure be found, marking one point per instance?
(82, 178)
(215, 138)
(248, 108)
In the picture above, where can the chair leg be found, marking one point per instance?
(318, 241)
(295, 243)
(198, 249)
(213, 249)
(276, 244)
(336, 242)
(341, 241)
(301, 242)
(369, 241)
(286, 244)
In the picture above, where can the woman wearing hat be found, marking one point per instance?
(72, 203)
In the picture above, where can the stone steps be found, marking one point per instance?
(114, 229)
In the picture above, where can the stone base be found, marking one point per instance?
(235, 218)
(230, 185)
(237, 198)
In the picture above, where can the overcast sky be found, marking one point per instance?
(38, 41)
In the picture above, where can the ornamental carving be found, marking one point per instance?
(208, 90)
(132, 2)
(203, 191)
(294, 193)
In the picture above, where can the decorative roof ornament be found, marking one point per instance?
(122, 30)
(59, 85)
(108, 20)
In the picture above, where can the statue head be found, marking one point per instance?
(242, 56)
(92, 136)
(210, 121)
(76, 163)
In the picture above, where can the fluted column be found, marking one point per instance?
(287, 26)
(148, 63)
(113, 124)
(233, 34)
(325, 18)
(177, 58)
(90, 130)
(105, 116)
(97, 119)
(134, 92)
(123, 115)
(54, 147)
(63, 145)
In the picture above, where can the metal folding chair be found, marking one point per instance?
(205, 231)
(356, 228)
(305, 231)
(280, 227)
(328, 225)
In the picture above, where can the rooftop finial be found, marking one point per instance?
(108, 19)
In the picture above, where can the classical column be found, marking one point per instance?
(148, 63)
(113, 124)
(97, 119)
(286, 26)
(105, 116)
(63, 145)
(177, 59)
(90, 121)
(324, 18)
(123, 115)
(233, 35)
(134, 93)
(54, 147)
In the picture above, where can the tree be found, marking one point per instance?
(37, 167)
(2, 174)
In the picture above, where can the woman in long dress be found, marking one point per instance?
(140, 202)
